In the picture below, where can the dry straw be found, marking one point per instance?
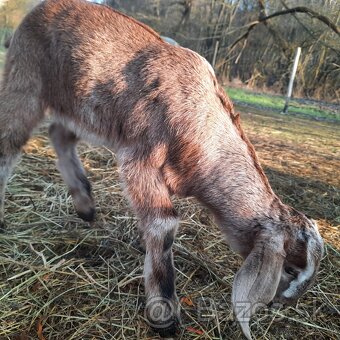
(64, 279)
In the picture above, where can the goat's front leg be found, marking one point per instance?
(158, 224)
(73, 173)
(162, 306)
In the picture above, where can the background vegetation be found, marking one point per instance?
(263, 58)
(252, 51)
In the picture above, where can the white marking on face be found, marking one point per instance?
(317, 233)
(303, 276)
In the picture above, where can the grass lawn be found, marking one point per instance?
(2, 58)
(276, 103)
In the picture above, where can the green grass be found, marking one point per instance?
(2, 58)
(276, 103)
(4, 34)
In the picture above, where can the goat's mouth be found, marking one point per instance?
(282, 302)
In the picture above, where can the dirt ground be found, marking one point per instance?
(61, 278)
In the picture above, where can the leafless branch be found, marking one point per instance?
(299, 9)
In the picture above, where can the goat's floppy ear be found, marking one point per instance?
(256, 282)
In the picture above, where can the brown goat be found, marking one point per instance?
(107, 78)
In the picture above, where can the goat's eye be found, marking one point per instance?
(291, 271)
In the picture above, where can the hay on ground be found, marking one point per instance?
(64, 279)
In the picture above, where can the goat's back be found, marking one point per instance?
(93, 62)
(111, 77)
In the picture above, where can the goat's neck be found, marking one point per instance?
(239, 195)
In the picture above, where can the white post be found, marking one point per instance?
(291, 80)
(215, 54)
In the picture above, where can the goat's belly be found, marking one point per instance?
(86, 133)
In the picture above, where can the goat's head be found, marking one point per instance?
(304, 250)
(280, 268)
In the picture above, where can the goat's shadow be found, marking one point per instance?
(316, 199)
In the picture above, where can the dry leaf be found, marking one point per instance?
(186, 300)
(194, 330)
(40, 330)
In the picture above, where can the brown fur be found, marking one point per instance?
(111, 80)
(227, 104)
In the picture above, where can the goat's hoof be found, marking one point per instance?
(87, 216)
(163, 316)
(167, 330)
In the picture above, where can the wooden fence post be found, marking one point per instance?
(291, 80)
(215, 54)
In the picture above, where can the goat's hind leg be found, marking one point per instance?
(72, 171)
(20, 112)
